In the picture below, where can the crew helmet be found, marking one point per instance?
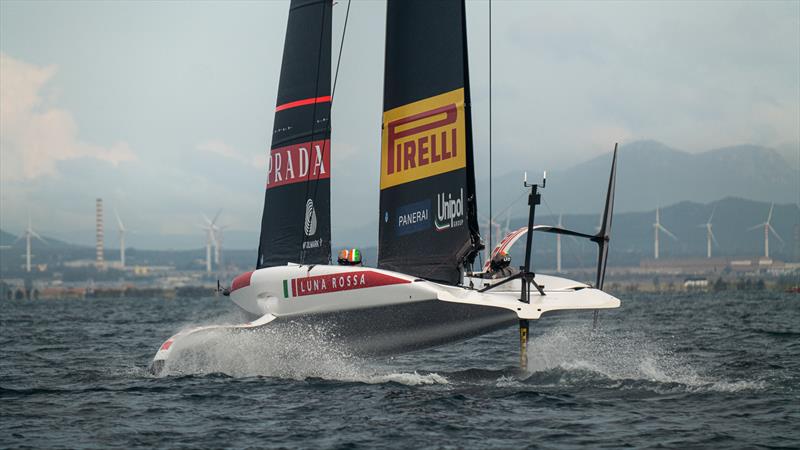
(350, 257)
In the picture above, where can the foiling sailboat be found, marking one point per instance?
(422, 293)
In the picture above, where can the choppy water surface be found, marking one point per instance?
(705, 370)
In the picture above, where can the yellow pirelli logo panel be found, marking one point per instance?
(424, 138)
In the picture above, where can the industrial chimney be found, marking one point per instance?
(100, 263)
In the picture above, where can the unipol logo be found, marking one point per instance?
(309, 161)
(311, 219)
(449, 211)
(424, 138)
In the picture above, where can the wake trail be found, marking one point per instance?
(577, 355)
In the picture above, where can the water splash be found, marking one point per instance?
(562, 356)
(409, 379)
(576, 355)
(289, 351)
(509, 382)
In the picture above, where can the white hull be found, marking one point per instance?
(372, 311)
(295, 290)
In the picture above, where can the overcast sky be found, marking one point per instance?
(165, 109)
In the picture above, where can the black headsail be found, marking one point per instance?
(428, 220)
(296, 225)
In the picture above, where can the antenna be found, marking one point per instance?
(544, 181)
(527, 277)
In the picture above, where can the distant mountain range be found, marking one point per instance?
(651, 174)
(632, 233)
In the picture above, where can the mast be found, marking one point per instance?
(558, 247)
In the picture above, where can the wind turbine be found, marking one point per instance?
(211, 239)
(218, 238)
(709, 234)
(767, 228)
(209, 242)
(122, 232)
(656, 227)
(28, 233)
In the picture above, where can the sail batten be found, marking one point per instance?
(428, 224)
(295, 225)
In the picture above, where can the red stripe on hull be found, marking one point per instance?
(335, 282)
(304, 102)
(241, 281)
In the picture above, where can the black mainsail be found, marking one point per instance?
(428, 219)
(296, 226)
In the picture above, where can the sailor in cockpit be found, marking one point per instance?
(500, 266)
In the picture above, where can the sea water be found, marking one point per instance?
(714, 370)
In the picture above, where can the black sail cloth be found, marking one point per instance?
(428, 220)
(295, 226)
